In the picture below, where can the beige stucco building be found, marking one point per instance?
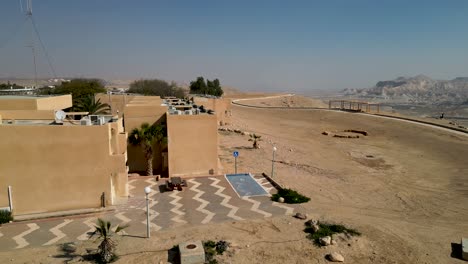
(56, 167)
(59, 165)
(192, 147)
(220, 106)
(192, 139)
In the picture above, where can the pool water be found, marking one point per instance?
(245, 185)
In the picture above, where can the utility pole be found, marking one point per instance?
(32, 45)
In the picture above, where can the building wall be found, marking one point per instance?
(18, 104)
(36, 103)
(192, 145)
(117, 101)
(54, 102)
(28, 114)
(55, 168)
(135, 114)
(222, 107)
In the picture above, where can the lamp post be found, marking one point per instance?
(273, 162)
(147, 191)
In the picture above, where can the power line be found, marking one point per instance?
(43, 47)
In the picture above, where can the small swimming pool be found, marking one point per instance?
(245, 185)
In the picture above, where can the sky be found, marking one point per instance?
(252, 45)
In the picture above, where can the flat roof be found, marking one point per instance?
(27, 96)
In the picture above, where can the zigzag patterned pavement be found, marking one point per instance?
(204, 203)
(225, 202)
(206, 200)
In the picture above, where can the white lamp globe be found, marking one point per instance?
(147, 190)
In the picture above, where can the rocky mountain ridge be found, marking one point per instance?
(419, 89)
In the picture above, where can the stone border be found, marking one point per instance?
(273, 182)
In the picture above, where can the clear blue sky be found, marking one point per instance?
(253, 45)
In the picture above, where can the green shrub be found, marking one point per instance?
(213, 248)
(327, 229)
(5, 216)
(290, 196)
(210, 251)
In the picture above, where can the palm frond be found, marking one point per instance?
(135, 137)
(120, 228)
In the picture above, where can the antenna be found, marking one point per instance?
(33, 49)
(26, 9)
(29, 7)
(32, 45)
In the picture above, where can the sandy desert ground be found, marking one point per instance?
(404, 187)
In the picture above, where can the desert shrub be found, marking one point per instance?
(290, 196)
(328, 229)
(213, 248)
(5, 216)
(221, 246)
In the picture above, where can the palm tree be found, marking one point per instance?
(255, 138)
(106, 249)
(93, 107)
(146, 136)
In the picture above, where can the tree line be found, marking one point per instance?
(199, 86)
(156, 87)
(84, 90)
(10, 85)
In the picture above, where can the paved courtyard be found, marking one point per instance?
(205, 200)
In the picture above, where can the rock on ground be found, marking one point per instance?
(335, 257)
(325, 241)
(300, 216)
(312, 222)
(315, 228)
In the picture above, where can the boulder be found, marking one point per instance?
(326, 133)
(325, 241)
(312, 222)
(335, 257)
(333, 242)
(281, 200)
(464, 244)
(247, 133)
(316, 228)
(300, 216)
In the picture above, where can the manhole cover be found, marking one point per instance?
(191, 246)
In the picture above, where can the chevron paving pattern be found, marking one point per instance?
(206, 200)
